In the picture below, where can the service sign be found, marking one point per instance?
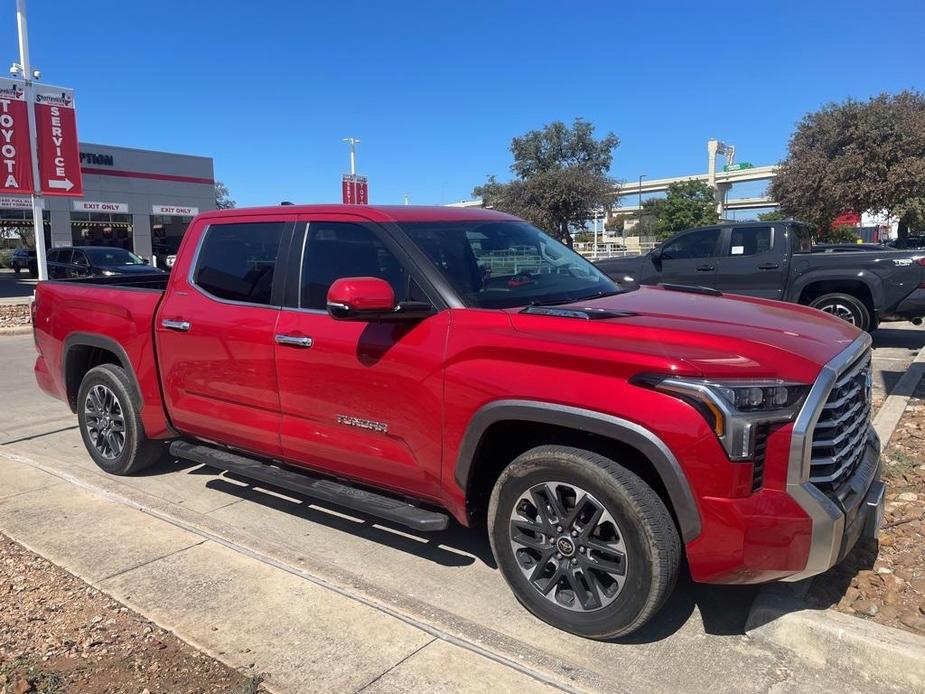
(354, 190)
(56, 132)
(175, 210)
(15, 160)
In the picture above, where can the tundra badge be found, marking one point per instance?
(362, 423)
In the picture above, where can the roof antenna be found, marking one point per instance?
(286, 202)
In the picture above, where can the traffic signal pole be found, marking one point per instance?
(38, 221)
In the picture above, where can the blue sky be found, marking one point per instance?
(436, 90)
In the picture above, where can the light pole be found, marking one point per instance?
(38, 221)
(353, 142)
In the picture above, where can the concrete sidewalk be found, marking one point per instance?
(247, 613)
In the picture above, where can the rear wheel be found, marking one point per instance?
(15, 268)
(584, 543)
(845, 306)
(110, 423)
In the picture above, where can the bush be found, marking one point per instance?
(5, 255)
(839, 234)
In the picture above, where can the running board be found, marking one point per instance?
(385, 507)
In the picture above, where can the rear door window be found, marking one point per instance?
(750, 241)
(237, 261)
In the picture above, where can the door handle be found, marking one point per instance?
(294, 341)
(769, 266)
(181, 325)
(706, 268)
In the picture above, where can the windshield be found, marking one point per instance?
(501, 264)
(112, 257)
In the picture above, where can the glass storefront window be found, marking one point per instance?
(166, 233)
(102, 229)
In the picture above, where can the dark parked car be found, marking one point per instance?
(95, 261)
(776, 260)
(23, 259)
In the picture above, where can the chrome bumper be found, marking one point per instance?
(835, 527)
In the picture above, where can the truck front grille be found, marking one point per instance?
(840, 434)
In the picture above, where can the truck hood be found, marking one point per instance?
(698, 334)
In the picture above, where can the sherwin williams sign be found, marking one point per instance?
(15, 159)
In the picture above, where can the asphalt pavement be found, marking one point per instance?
(232, 566)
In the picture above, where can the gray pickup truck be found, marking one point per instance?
(776, 260)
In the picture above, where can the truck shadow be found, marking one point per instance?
(456, 546)
(899, 338)
(723, 610)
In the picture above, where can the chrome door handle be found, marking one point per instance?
(294, 341)
(181, 325)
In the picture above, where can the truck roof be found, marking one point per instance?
(379, 213)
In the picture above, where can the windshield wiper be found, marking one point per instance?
(558, 302)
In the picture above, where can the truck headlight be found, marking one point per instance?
(734, 408)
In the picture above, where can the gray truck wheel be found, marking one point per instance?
(584, 543)
(110, 423)
(845, 306)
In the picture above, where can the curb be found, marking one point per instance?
(891, 411)
(16, 330)
(829, 639)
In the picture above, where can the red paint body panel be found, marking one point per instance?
(415, 387)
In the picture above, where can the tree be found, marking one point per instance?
(560, 177)
(223, 199)
(857, 155)
(772, 216)
(687, 204)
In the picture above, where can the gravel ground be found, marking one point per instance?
(15, 315)
(57, 634)
(887, 583)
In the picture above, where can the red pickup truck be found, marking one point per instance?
(420, 363)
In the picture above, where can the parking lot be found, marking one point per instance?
(445, 584)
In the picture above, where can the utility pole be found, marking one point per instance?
(641, 176)
(25, 66)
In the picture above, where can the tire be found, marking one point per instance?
(15, 269)
(122, 448)
(631, 516)
(845, 306)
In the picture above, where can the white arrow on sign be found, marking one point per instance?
(64, 184)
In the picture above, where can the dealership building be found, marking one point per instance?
(134, 199)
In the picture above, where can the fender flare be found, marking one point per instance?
(110, 345)
(608, 426)
(873, 283)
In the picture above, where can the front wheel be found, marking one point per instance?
(584, 543)
(110, 423)
(845, 306)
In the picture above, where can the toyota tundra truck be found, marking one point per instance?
(416, 364)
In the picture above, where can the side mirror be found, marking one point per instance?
(371, 299)
(655, 255)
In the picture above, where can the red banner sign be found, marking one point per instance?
(58, 150)
(354, 190)
(15, 160)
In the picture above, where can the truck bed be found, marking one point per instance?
(153, 280)
(73, 317)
